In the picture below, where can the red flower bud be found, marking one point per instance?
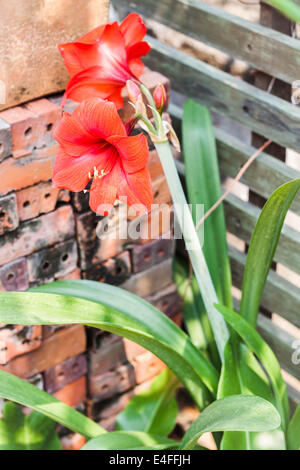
(133, 91)
(160, 97)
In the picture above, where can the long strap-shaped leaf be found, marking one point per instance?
(262, 247)
(204, 187)
(130, 440)
(115, 310)
(293, 435)
(234, 413)
(265, 354)
(18, 390)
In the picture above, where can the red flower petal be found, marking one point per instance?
(73, 172)
(133, 56)
(74, 138)
(133, 29)
(99, 118)
(137, 189)
(104, 191)
(132, 150)
(94, 82)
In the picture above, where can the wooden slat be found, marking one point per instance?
(279, 296)
(264, 175)
(264, 48)
(263, 113)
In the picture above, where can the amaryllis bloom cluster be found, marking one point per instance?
(101, 61)
(93, 144)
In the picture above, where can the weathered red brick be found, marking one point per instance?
(150, 281)
(36, 200)
(50, 263)
(5, 140)
(112, 383)
(21, 342)
(146, 366)
(65, 343)
(24, 129)
(74, 393)
(145, 256)
(167, 300)
(9, 219)
(14, 276)
(47, 115)
(35, 234)
(26, 171)
(108, 356)
(113, 271)
(64, 373)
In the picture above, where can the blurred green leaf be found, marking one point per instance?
(21, 432)
(18, 390)
(118, 311)
(233, 413)
(204, 187)
(293, 434)
(262, 248)
(130, 440)
(154, 410)
(265, 354)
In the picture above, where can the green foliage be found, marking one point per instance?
(293, 435)
(154, 410)
(262, 247)
(204, 187)
(21, 432)
(118, 311)
(130, 440)
(24, 393)
(234, 413)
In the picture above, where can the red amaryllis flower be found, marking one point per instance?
(93, 143)
(101, 61)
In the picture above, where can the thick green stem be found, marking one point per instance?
(190, 236)
(288, 8)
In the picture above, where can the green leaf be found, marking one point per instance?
(265, 354)
(130, 440)
(242, 374)
(204, 187)
(234, 413)
(154, 410)
(262, 248)
(18, 390)
(21, 432)
(118, 311)
(194, 314)
(293, 434)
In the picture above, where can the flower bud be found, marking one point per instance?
(160, 97)
(133, 91)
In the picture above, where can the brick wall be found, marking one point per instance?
(48, 234)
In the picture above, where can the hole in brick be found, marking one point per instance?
(28, 131)
(49, 127)
(61, 374)
(46, 265)
(2, 215)
(249, 47)
(1, 148)
(147, 257)
(246, 109)
(165, 304)
(65, 257)
(156, 194)
(119, 270)
(10, 276)
(26, 203)
(47, 195)
(75, 367)
(104, 387)
(160, 252)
